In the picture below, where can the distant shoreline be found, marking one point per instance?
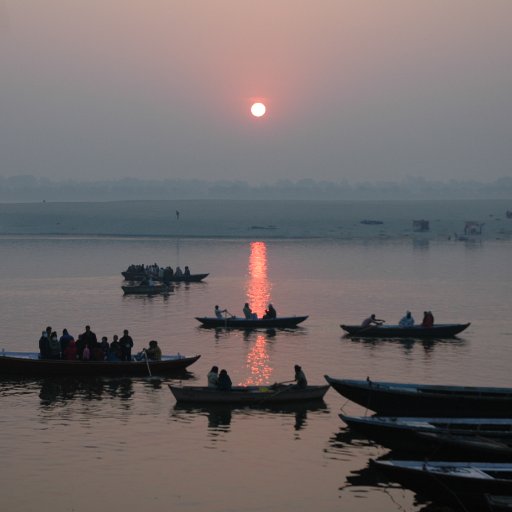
(460, 220)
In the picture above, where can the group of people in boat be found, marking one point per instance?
(156, 273)
(87, 347)
(270, 312)
(406, 321)
(222, 381)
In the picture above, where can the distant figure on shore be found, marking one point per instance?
(270, 312)
(248, 314)
(177, 215)
(300, 378)
(213, 377)
(407, 320)
(224, 382)
(428, 319)
(371, 320)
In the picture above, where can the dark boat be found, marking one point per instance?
(384, 427)
(140, 276)
(29, 365)
(464, 485)
(395, 331)
(248, 323)
(146, 289)
(498, 503)
(248, 395)
(395, 399)
(490, 439)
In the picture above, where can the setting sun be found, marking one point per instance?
(258, 109)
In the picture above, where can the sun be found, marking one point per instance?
(258, 109)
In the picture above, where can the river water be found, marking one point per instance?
(123, 444)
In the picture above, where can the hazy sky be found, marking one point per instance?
(355, 89)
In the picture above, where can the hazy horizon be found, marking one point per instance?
(356, 90)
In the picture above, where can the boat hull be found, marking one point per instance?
(28, 365)
(395, 331)
(250, 395)
(394, 399)
(192, 278)
(244, 323)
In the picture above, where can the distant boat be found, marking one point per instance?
(146, 289)
(397, 399)
(371, 222)
(249, 323)
(29, 365)
(248, 395)
(396, 331)
(140, 276)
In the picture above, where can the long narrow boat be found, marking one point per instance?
(476, 438)
(144, 289)
(385, 427)
(463, 484)
(395, 331)
(247, 395)
(396, 399)
(140, 276)
(245, 323)
(29, 365)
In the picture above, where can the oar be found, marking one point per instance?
(147, 363)
(368, 327)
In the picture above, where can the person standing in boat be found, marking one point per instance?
(187, 271)
(114, 352)
(407, 320)
(178, 272)
(87, 338)
(213, 377)
(126, 343)
(371, 320)
(270, 312)
(64, 340)
(300, 378)
(43, 345)
(224, 382)
(54, 347)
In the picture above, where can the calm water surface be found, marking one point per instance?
(124, 444)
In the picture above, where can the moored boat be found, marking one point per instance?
(462, 484)
(249, 395)
(396, 331)
(28, 364)
(249, 323)
(397, 399)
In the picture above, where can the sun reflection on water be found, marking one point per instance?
(258, 295)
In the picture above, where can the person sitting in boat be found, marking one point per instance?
(187, 272)
(300, 378)
(213, 377)
(428, 319)
(153, 352)
(178, 272)
(371, 320)
(249, 315)
(219, 312)
(224, 383)
(270, 312)
(407, 320)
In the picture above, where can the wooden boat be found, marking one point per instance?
(144, 289)
(384, 427)
(29, 365)
(479, 438)
(395, 399)
(245, 323)
(463, 484)
(395, 331)
(247, 395)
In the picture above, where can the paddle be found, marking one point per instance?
(151, 378)
(368, 327)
